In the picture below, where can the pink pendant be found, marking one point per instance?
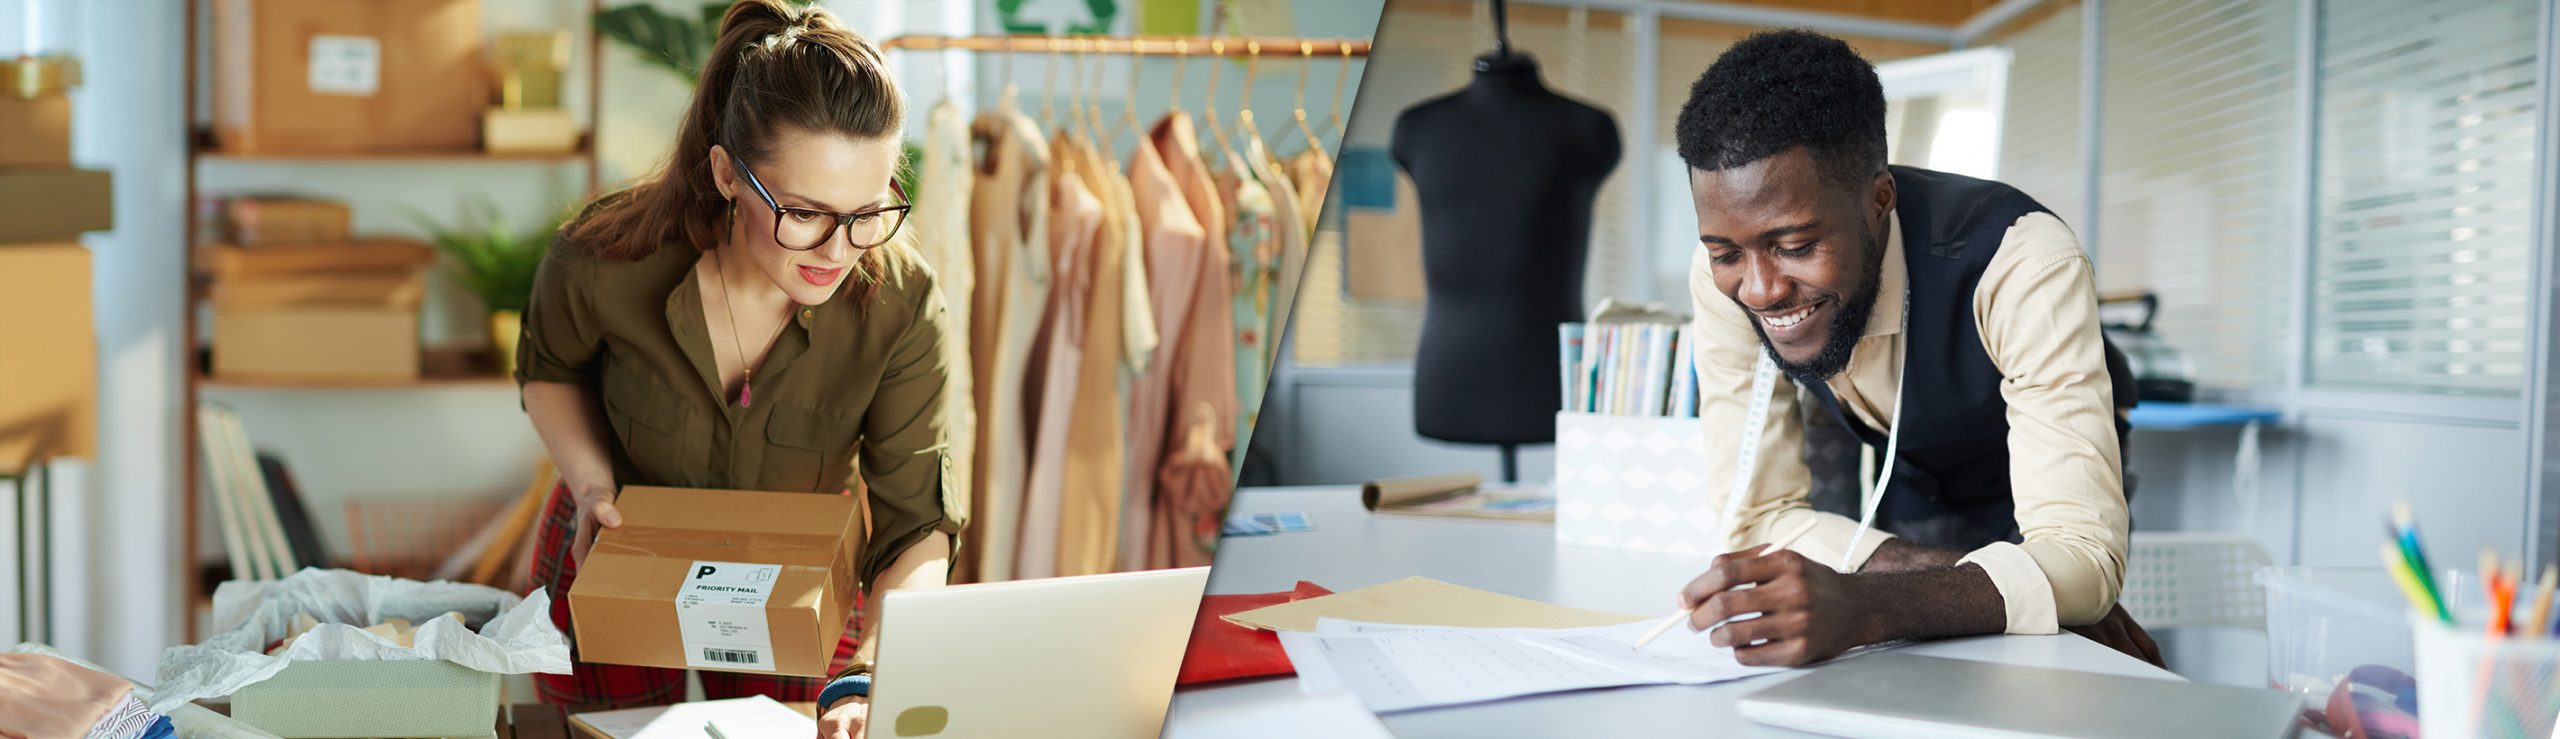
(746, 394)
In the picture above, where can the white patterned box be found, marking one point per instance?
(1634, 483)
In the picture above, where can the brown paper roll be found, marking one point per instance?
(1404, 491)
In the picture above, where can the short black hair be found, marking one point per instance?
(1778, 90)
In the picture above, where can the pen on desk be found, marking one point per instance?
(714, 730)
(1683, 614)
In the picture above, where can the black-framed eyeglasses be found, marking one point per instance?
(803, 229)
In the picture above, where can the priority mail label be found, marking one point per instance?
(720, 613)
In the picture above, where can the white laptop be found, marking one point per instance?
(1065, 657)
(1908, 695)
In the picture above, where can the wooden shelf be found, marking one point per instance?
(205, 150)
(291, 383)
(458, 156)
(440, 368)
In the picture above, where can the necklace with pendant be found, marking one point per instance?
(747, 378)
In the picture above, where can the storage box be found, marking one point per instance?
(54, 204)
(229, 263)
(354, 328)
(310, 76)
(530, 68)
(35, 132)
(528, 131)
(719, 580)
(1636, 484)
(48, 352)
(388, 698)
(2323, 622)
(280, 221)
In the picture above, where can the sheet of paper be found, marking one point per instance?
(1284, 522)
(1424, 601)
(1680, 656)
(737, 717)
(1395, 667)
(1420, 669)
(1338, 715)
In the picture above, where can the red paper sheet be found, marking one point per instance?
(1221, 650)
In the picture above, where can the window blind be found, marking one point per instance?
(2040, 120)
(2423, 195)
(2199, 165)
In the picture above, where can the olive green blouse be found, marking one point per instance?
(850, 391)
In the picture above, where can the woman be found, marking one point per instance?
(746, 320)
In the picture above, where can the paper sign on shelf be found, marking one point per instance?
(720, 613)
(346, 65)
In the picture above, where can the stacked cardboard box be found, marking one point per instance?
(342, 312)
(528, 67)
(314, 77)
(48, 346)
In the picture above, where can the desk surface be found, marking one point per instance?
(1352, 548)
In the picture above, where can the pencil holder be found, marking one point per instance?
(2471, 684)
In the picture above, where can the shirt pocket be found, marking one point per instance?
(652, 424)
(809, 450)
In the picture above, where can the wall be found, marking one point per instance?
(118, 587)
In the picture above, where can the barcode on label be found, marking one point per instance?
(732, 656)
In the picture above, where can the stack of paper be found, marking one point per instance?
(753, 716)
(1397, 667)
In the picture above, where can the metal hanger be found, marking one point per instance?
(1306, 63)
(1217, 127)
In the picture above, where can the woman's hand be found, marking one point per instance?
(595, 509)
(846, 720)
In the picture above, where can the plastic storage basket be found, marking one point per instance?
(2325, 622)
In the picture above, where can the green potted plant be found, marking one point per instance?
(495, 262)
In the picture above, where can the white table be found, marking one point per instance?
(1352, 548)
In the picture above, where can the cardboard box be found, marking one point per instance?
(530, 68)
(366, 331)
(228, 263)
(371, 698)
(1386, 248)
(281, 221)
(54, 204)
(719, 580)
(528, 131)
(35, 132)
(48, 352)
(310, 76)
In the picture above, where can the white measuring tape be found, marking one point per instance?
(1764, 386)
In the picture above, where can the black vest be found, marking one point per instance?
(1950, 485)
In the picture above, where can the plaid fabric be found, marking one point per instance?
(591, 685)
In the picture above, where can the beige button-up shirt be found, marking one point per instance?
(2037, 312)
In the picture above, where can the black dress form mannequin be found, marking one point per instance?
(1506, 172)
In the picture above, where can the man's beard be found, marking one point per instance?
(1847, 325)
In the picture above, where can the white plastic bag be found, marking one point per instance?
(515, 634)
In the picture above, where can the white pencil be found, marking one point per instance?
(1684, 613)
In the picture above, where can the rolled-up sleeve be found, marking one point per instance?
(560, 337)
(1780, 487)
(2037, 310)
(906, 455)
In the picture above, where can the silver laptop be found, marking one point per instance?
(1908, 695)
(1091, 656)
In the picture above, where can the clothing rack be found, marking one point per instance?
(1229, 46)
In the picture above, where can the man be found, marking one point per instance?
(1948, 319)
